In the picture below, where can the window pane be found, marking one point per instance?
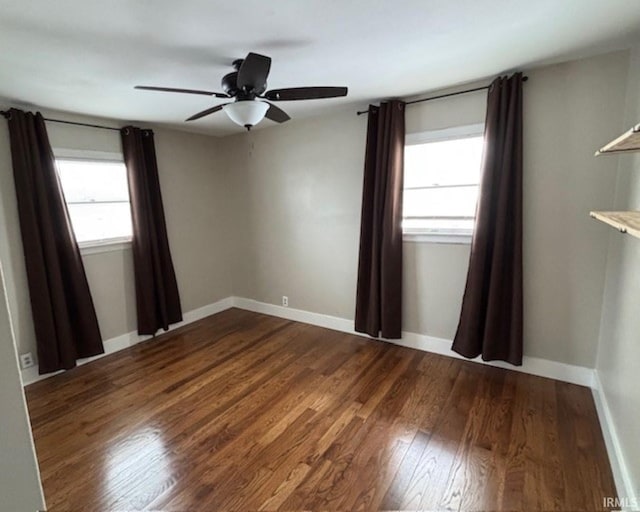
(100, 221)
(441, 180)
(97, 197)
(448, 225)
(93, 181)
(441, 202)
(449, 162)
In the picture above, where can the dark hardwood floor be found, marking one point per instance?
(242, 411)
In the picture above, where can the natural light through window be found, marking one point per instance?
(441, 182)
(97, 197)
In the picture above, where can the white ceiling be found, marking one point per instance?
(85, 56)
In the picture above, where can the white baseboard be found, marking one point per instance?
(532, 365)
(298, 315)
(31, 375)
(619, 467)
(205, 311)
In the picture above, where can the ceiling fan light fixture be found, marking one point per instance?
(246, 113)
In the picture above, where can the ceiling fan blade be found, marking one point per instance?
(276, 114)
(305, 93)
(185, 91)
(211, 110)
(253, 72)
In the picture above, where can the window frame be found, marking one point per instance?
(441, 135)
(108, 244)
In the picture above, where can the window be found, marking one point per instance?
(97, 197)
(441, 183)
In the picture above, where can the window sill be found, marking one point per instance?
(438, 238)
(100, 246)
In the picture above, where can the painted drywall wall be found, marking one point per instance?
(195, 194)
(299, 214)
(19, 476)
(194, 188)
(299, 192)
(619, 347)
(571, 110)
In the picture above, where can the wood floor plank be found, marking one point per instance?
(242, 411)
(187, 412)
(473, 460)
(437, 457)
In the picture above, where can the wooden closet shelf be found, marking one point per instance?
(625, 222)
(628, 141)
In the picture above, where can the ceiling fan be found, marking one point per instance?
(247, 84)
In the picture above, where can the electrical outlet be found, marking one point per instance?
(26, 360)
(285, 301)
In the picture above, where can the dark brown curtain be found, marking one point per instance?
(379, 292)
(491, 319)
(157, 297)
(64, 318)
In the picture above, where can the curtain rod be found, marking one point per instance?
(524, 79)
(99, 126)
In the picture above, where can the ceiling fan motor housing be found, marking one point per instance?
(230, 86)
(230, 83)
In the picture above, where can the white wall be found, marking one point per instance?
(571, 110)
(299, 188)
(20, 488)
(619, 347)
(194, 186)
(297, 214)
